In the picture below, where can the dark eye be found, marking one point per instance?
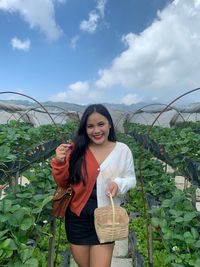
(101, 124)
(89, 126)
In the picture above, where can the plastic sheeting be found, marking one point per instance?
(35, 115)
(147, 115)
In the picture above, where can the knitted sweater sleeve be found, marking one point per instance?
(128, 180)
(60, 171)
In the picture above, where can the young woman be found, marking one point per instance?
(95, 165)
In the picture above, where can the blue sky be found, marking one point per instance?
(86, 51)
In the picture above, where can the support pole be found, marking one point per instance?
(51, 250)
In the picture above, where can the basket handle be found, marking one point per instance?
(113, 217)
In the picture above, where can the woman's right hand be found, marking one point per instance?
(61, 152)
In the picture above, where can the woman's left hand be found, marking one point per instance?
(112, 189)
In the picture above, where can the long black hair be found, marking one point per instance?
(81, 143)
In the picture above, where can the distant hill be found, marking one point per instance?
(18, 102)
(111, 106)
(117, 111)
(76, 107)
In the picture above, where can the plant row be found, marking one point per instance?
(174, 219)
(17, 138)
(21, 145)
(177, 148)
(25, 210)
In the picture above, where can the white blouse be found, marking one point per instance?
(117, 167)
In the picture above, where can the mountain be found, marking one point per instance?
(76, 107)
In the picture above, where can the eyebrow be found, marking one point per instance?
(97, 123)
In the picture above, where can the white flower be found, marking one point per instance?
(175, 248)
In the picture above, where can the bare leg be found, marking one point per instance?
(81, 254)
(101, 255)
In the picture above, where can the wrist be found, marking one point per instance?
(59, 161)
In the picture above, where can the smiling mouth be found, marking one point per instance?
(97, 137)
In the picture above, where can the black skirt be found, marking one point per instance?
(80, 230)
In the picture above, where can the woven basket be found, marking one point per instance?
(111, 223)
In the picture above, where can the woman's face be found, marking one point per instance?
(97, 128)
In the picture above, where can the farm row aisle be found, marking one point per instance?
(156, 203)
(169, 213)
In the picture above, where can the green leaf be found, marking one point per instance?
(168, 235)
(46, 200)
(26, 254)
(38, 197)
(2, 233)
(178, 236)
(179, 219)
(27, 210)
(184, 150)
(170, 258)
(26, 223)
(16, 218)
(8, 253)
(3, 218)
(6, 205)
(1, 253)
(176, 213)
(166, 203)
(187, 235)
(15, 263)
(183, 134)
(37, 210)
(189, 216)
(11, 157)
(197, 244)
(194, 233)
(5, 243)
(12, 245)
(31, 263)
(19, 215)
(197, 263)
(4, 152)
(24, 195)
(155, 222)
(15, 208)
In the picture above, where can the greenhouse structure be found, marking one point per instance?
(163, 209)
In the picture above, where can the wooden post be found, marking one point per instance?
(150, 252)
(51, 250)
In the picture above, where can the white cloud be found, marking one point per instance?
(162, 59)
(73, 41)
(95, 16)
(131, 99)
(101, 7)
(155, 98)
(158, 63)
(39, 14)
(79, 87)
(90, 25)
(21, 45)
(79, 92)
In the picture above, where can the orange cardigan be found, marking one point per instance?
(81, 192)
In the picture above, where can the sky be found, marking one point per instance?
(110, 51)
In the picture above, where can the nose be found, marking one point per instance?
(96, 129)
